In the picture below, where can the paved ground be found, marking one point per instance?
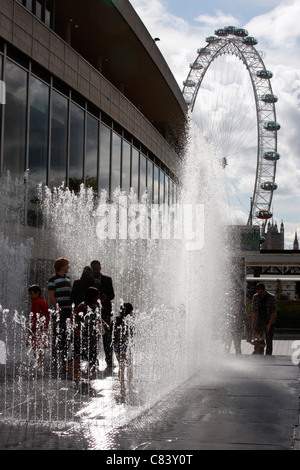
(237, 402)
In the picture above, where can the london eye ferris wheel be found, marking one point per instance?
(228, 92)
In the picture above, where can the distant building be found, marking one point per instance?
(274, 237)
(296, 243)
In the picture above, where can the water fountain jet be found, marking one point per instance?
(175, 277)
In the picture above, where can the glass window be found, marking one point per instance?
(38, 9)
(105, 136)
(48, 18)
(175, 193)
(38, 131)
(135, 170)
(59, 133)
(126, 166)
(76, 147)
(115, 162)
(91, 153)
(156, 185)
(143, 174)
(167, 189)
(162, 187)
(171, 190)
(48, 12)
(15, 119)
(150, 180)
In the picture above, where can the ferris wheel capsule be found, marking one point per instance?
(264, 214)
(268, 186)
(269, 98)
(230, 29)
(271, 126)
(196, 66)
(250, 41)
(241, 32)
(189, 83)
(271, 156)
(221, 32)
(264, 74)
(203, 51)
(210, 39)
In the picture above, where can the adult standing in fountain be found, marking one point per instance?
(87, 321)
(236, 323)
(263, 315)
(59, 288)
(105, 286)
(81, 285)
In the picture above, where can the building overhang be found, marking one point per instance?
(110, 35)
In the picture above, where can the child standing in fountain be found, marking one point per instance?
(259, 344)
(122, 332)
(38, 337)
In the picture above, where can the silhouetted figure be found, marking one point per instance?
(59, 288)
(121, 335)
(263, 315)
(81, 285)
(39, 318)
(105, 286)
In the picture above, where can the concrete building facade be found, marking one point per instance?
(89, 98)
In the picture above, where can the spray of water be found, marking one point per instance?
(170, 262)
(175, 282)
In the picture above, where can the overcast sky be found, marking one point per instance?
(182, 27)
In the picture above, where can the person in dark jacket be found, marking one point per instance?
(81, 285)
(87, 331)
(263, 315)
(105, 286)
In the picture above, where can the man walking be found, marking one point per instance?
(263, 315)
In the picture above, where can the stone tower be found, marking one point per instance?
(274, 238)
(296, 243)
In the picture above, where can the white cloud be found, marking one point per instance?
(217, 20)
(279, 27)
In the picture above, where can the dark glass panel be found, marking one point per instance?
(150, 180)
(38, 9)
(116, 162)
(105, 142)
(167, 181)
(76, 147)
(38, 131)
(126, 166)
(143, 174)
(135, 170)
(91, 156)
(162, 187)
(171, 192)
(15, 119)
(156, 185)
(59, 133)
